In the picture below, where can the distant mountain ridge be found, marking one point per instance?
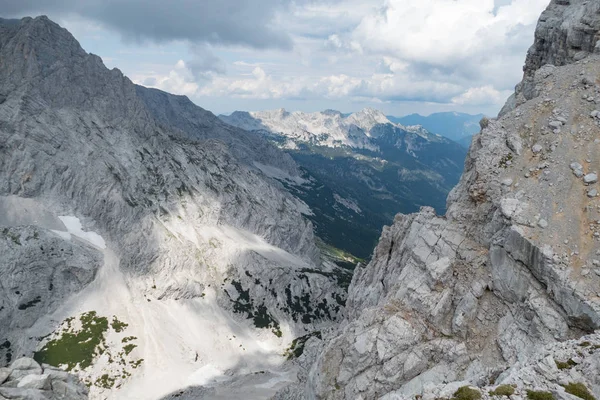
(360, 168)
(459, 127)
(328, 128)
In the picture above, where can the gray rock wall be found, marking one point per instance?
(510, 270)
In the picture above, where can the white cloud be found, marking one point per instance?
(484, 95)
(463, 54)
(179, 80)
(444, 32)
(255, 85)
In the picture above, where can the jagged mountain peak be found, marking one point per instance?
(44, 65)
(332, 112)
(39, 40)
(370, 112)
(367, 118)
(326, 128)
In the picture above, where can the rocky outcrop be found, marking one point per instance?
(39, 272)
(474, 297)
(26, 379)
(567, 31)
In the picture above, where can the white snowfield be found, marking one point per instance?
(73, 226)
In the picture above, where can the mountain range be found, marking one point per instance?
(142, 247)
(359, 169)
(149, 250)
(459, 127)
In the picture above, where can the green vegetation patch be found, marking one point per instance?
(565, 364)
(503, 390)
(297, 346)
(74, 348)
(580, 390)
(105, 381)
(129, 348)
(128, 339)
(466, 393)
(117, 325)
(539, 395)
(338, 256)
(505, 161)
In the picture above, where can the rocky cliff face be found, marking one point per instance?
(502, 289)
(567, 32)
(135, 228)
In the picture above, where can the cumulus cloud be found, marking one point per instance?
(257, 84)
(228, 22)
(484, 95)
(179, 80)
(454, 52)
(457, 53)
(445, 32)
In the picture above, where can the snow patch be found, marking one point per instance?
(74, 227)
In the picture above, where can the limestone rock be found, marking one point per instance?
(40, 382)
(564, 32)
(24, 366)
(30, 383)
(483, 293)
(4, 374)
(590, 178)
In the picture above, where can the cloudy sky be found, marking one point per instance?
(400, 56)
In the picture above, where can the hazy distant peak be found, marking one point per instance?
(332, 112)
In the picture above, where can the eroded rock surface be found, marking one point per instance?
(506, 282)
(26, 379)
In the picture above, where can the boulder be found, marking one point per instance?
(590, 178)
(24, 366)
(41, 382)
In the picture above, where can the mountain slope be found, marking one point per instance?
(360, 169)
(455, 126)
(503, 289)
(138, 223)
